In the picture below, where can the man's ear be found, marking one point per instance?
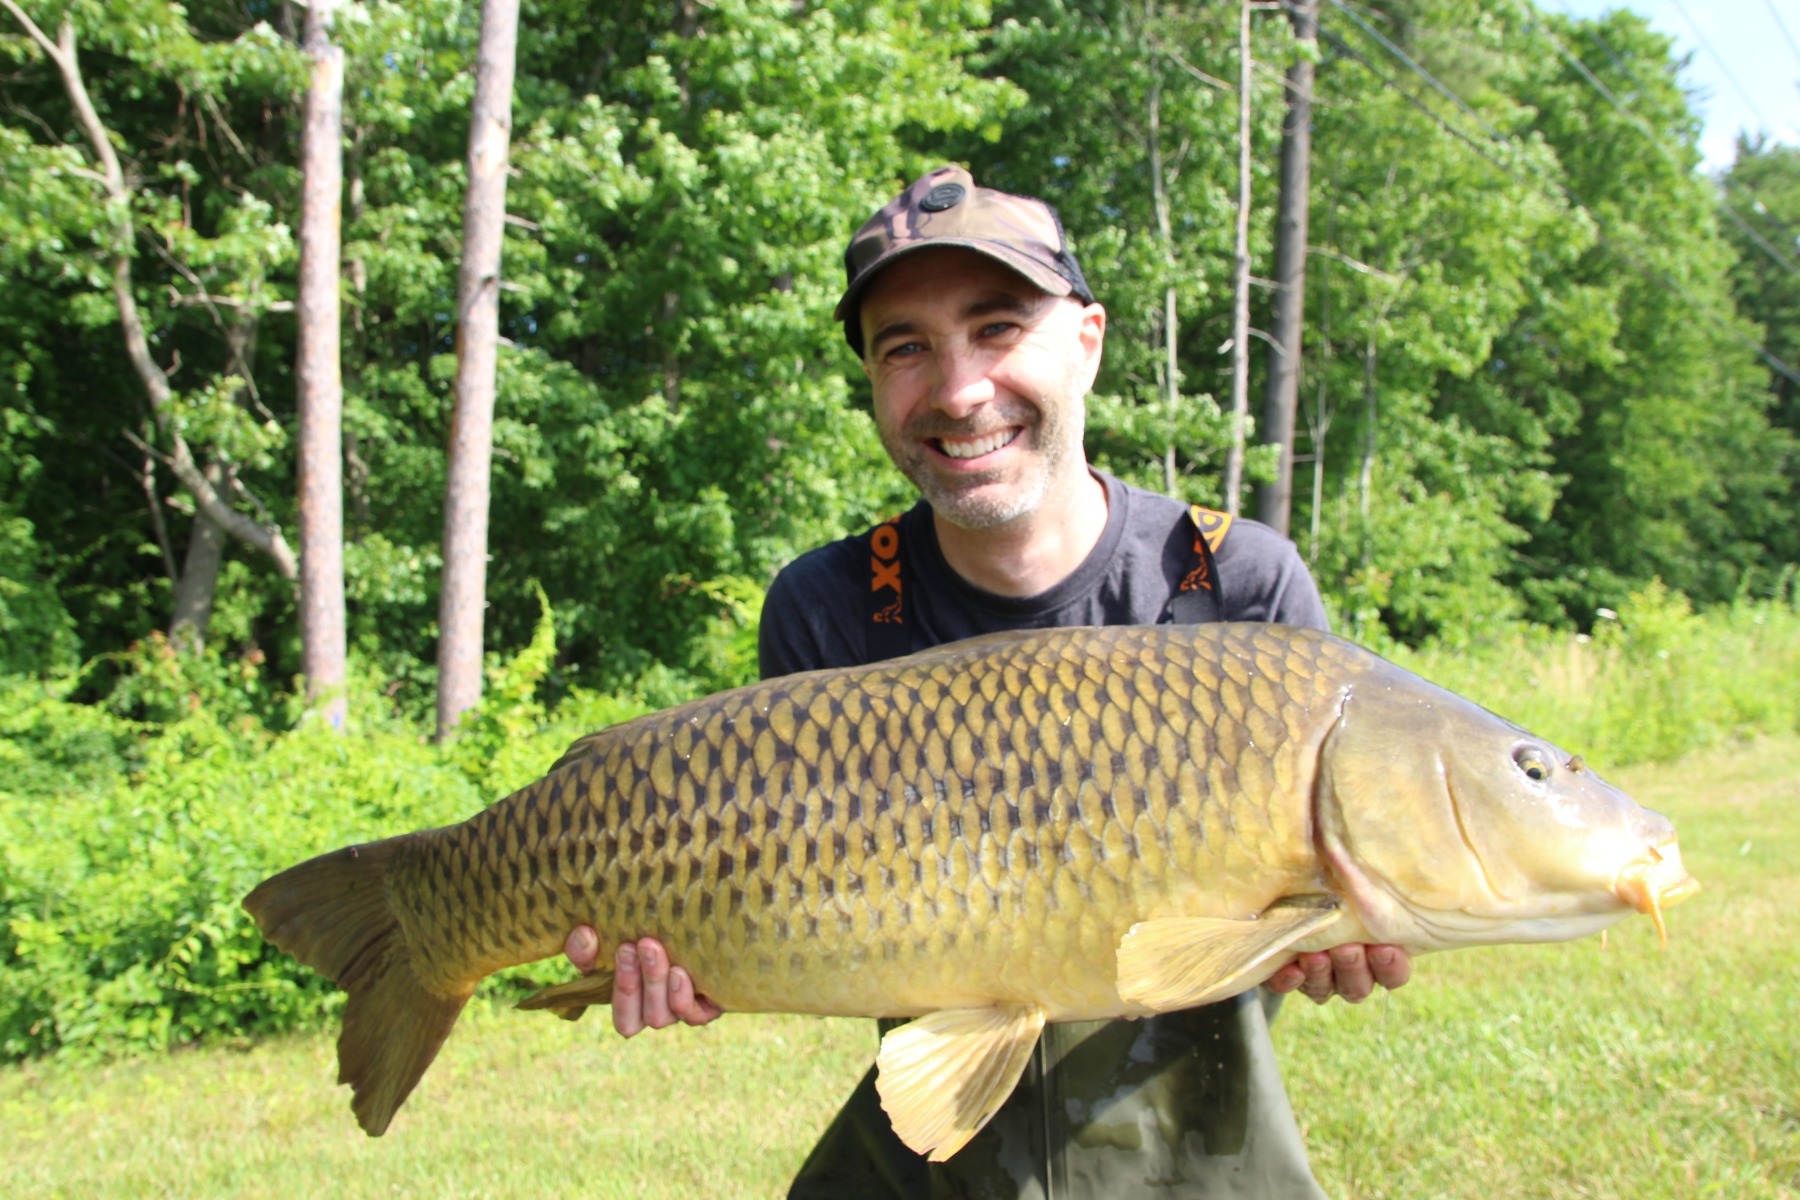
(1092, 335)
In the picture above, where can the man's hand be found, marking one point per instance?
(647, 990)
(1349, 971)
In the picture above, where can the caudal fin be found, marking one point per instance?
(332, 914)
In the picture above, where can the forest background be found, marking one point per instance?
(1548, 393)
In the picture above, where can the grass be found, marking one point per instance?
(1516, 1072)
(1568, 1071)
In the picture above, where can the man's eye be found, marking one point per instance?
(997, 328)
(904, 350)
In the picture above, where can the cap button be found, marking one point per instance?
(943, 196)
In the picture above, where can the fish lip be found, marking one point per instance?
(1655, 880)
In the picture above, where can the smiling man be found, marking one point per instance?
(981, 340)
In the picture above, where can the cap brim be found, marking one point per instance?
(1036, 273)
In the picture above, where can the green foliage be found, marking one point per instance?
(130, 832)
(1526, 391)
(36, 632)
(1655, 681)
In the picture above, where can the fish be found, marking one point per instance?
(990, 835)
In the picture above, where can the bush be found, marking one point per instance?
(127, 845)
(1655, 681)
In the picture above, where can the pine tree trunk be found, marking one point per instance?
(1240, 323)
(1168, 373)
(1274, 499)
(317, 370)
(464, 595)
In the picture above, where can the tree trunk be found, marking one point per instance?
(1365, 472)
(1240, 322)
(198, 584)
(320, 383)
(464, 595)
(1274, 499)
(1168, 372)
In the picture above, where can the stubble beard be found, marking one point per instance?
(973, 502)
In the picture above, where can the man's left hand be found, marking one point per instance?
(1349, 971)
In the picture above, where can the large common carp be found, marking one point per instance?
(1042, 826)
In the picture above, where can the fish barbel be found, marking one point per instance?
(1042, 826)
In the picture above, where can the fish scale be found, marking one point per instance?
(1047, 825)
(913, 796)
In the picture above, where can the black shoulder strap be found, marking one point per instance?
(1200, 598)
(886, 624)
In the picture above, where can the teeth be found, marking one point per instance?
(976, 447)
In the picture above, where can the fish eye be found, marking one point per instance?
(1531, 761)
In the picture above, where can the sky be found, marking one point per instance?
(1744, 63)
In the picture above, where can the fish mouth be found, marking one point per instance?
(1656, 880)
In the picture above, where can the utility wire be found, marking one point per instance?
(1782, 25)
(1656, 140)
(1731, 78)
(1568, 194)
(1735, 214)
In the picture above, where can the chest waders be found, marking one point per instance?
(1186, 1104)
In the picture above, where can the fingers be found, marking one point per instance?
(1317, 984)
(1286, 980)
(1350, 971)
(655, 963)
(627, 992)
(687, 1004)
(1391, 965)
(583, 948)
(650, 992)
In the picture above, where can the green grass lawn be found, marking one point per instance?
(1562, 1071)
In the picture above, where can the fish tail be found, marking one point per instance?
(333, 914)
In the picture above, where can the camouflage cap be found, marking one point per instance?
(945, 208)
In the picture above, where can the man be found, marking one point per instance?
(981, 340)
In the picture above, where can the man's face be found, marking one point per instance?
(979, 379)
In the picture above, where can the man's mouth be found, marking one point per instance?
(975, 447)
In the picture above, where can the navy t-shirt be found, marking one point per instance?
(817, 611)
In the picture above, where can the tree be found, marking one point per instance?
(321, 390)
(130, 213)
(1275, 496)
(111, 179)
(1763, 188)
(464, 591)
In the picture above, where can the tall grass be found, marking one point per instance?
(1655, 681)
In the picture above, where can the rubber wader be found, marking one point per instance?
(1187, 1104)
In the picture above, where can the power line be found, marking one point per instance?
(1656, 140)
(1731, 78)
(1782, 25)
(1567, 193)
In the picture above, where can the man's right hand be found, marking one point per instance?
(647, 990)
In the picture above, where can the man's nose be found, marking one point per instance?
(963, 384)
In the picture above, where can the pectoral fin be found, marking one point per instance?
(1181, 962)
(569, 1000)
(943, 1075)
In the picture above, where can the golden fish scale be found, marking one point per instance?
(982, 823)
